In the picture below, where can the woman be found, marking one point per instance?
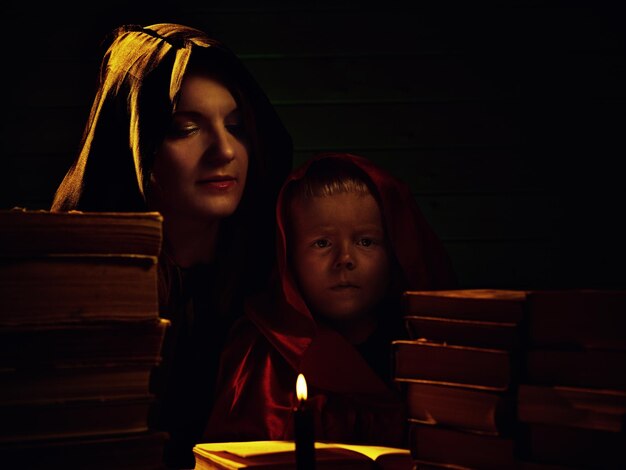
(179, 126)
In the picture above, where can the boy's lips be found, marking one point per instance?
(344, 286)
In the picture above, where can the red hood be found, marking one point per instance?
(421, 256)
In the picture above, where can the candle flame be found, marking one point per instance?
(301, 388)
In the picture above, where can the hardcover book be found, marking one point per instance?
(490, 305)
(80, 335)
(597, 368)
(463, 408)
(73, 266)
(63, 382)
(577, 447)
(460, 449)
(26, 232)
(429, 362)
(98, 342)
(72, 419)
(125, 451)
(581, 318)
(485, 334)
(588, 408)
(60, 288)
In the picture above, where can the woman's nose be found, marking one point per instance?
(220, 148)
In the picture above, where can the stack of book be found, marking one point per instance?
(573, 397)
(460, 371)
(80, 334)
(528, 379)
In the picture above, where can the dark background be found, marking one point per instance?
(507, 121)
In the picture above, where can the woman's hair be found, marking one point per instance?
(139, 86)
(140, 79)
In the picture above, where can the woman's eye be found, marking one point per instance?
(236, 129)
(179, 131)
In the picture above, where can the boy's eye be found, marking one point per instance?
(321, 243)
(366, 241)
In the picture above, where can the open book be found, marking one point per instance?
(281, 455)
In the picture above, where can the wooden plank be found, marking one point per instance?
(427, 171)
(495, 217)
(373, 125)
(401, 125)
(72, 83)
(340, 30)
(330, 29)
(456, 170)
(332, 79)
(425, 78)
(506, 264)
(68, 84)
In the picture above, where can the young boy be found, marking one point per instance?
(351, 239)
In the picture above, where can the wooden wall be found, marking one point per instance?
(507, 122)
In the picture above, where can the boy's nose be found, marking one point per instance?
(345, 260)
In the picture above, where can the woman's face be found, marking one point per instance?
(201, 166)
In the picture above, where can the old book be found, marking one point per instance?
(73, 266)
(74, 419)
(490, 305)
(485, 334)
(429, 362)
(518, 465)
(79, 337)
(38, 232)
(79, 343)
(601, 409)
(71, 382)
(460, 449)
(74, 288)
(596, 368)
(577, 318)
(126, 451)
(530, 465)
(266, 455)
(463, 408)
(578, 447)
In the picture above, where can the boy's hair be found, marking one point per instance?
(327, 177)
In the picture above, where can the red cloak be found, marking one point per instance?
(279, 338)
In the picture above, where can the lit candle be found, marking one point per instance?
(303, 428)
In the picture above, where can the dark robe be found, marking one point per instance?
(131, 113)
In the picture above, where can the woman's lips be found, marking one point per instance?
(218, 183)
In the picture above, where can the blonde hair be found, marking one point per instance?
(327, 177)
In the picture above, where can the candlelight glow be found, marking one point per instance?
(301, 387)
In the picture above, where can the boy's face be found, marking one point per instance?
(339, 254)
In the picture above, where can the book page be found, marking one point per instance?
(255, 448)
(249, 448)
(373, 452)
